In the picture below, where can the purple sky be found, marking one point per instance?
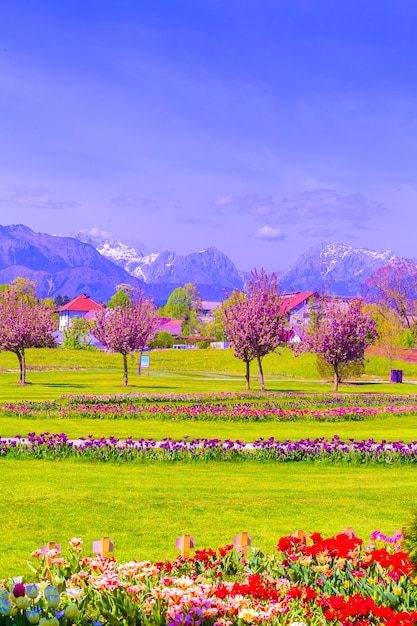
(260, 127)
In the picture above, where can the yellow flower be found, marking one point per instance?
(22, 602)
(248, 615)
(71, 611)
(322, 558)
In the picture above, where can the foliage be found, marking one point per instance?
(203, 343)
(254, 321)
(162, 340)
(76, 335)
(410, 539)
(340, 334)
(395, 287)
(195, 296)
(190, 324)
(60, 300)
(353, 369)
(390, 328)
(215, 327)
(409, 338)
(126, 329)
(122, 297)
(25, 322)
(181, 305)
(178, 305)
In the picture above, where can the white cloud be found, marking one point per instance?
(39, 198)
(253, 204)
(223, 200)
(327, 205)
(135, 202)
(318, 232)
(268, 232)
(96, 233)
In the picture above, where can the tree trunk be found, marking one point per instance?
(22, 366)
(336, 381)
(125, 370)
(261, 373)
(247, 374)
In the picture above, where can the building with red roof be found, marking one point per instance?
(297, 307)
(168, 325)
(81, 306)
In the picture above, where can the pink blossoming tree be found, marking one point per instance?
(254, 321)
(25, 322)
(126, 329)
(339, 333)
(395, 287)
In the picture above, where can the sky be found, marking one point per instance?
(259, 127)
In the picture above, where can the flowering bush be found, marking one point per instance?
(336, 580)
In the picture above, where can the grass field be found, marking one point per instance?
(52, 373)
(144, 507)
(390, 428)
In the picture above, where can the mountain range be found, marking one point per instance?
(78, 264)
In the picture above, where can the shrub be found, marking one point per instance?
(162, 340)
(346, 370)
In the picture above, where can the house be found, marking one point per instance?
(81, 306)
(297, 307)
(207, 309)
(168, 325)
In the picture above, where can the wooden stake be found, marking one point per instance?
(103, 547)
(242, 541)
(300, 534)
(349, 532)
(184, 544)
(50, 547)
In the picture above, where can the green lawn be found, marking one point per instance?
(390, 428)
(56, 372)
(144, 508)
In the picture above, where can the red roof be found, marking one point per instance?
(81, 303)
(168, 325)
(292, 300)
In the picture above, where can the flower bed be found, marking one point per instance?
(335, 450)
(226, 407)
(337, 580)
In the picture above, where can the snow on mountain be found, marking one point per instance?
(334, 268)
(73, 265)
(206, 267)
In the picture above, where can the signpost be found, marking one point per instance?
(144, 362)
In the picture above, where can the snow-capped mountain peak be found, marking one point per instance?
(334, 268)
